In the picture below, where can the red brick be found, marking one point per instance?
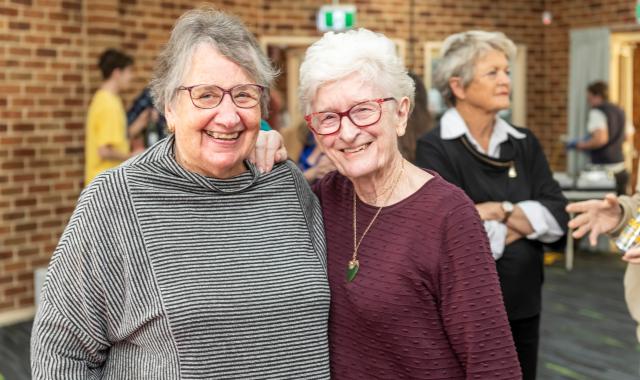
(6, 255)
(13, 215)
(40, 212)
(19, 25)
(8, 11)
(41, 262)
(24, 127)
(6, 305)
(72, 6)
(46, 52)
(14, 290)
(6, 278)
(40, 237)
(39, 189)
(23, 177)
(24, 152)
(26, 227)
(25, 202)
(26, 301)
(12, 165)
(14, 266)
(14, 241)
(11, 190)
(27, 252)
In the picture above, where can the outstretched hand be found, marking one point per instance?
(269, 150)
(595, 216)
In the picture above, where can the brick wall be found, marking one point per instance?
(41, 119)
(48, 50)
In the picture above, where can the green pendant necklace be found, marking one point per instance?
(354, 264)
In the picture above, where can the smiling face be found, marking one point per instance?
(358, 152)
(489, 90)
(213, 142)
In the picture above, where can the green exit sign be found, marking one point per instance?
(336, 17)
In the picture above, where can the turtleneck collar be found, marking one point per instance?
(163, 153)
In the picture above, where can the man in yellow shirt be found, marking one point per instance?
(106, 142)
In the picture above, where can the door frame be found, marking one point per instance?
(621, 92)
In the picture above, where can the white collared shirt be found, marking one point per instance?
(545, 226)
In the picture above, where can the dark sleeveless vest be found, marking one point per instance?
(611, 153)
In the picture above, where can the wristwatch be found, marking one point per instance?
(507, 207)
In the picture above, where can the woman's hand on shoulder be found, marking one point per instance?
(269, 150)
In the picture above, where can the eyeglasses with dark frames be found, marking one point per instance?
(209, 96)
(362, 115)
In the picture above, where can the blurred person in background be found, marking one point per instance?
(275, 109)
(106, 143)
(606, 127)
(186, 262)
(609, 216)
(156, 127)
(504, 171)
(301, 147)
(419, 121)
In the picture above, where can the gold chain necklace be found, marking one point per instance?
(354, 264)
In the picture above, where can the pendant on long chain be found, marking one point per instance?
(352, 270)
(512, 171)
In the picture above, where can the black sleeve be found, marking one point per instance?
(546, 190)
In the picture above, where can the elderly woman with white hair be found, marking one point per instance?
(414, 290)
(504, 171)
(186, 262)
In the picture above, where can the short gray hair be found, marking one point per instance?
(338, 55)
(227, 34)
(461, 51)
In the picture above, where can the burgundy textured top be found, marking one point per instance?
(426, 302)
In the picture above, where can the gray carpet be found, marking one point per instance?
(587, 333)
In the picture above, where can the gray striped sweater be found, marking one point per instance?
(165, 274)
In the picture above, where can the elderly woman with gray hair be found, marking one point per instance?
(504, 171)
(414, 290)
(186, 262)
